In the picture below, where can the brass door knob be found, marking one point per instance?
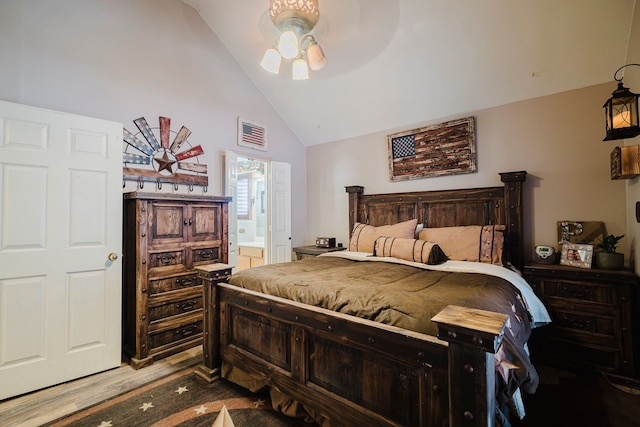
(112, 256)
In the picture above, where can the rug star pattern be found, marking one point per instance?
(178, 399)
(146, 406)
(215, 406)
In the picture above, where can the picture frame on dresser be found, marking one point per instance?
(576, 255)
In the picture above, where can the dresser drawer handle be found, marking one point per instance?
(186, 331)
(186, 305)
(206, 254)
(166, 259)
(185, 282)
(577, 323)
(576, 293)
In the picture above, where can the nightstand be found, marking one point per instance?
(593, 312)
(303, 252)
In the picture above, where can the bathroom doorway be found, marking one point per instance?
(251, 212)
(260, 210)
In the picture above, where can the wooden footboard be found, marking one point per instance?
(352, 371)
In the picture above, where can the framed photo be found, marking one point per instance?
(252, 134)
(576, 255)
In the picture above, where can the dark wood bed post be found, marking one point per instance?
(355, 191)
(473, 336)
(513, 182)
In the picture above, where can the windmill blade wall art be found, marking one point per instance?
(164, 158)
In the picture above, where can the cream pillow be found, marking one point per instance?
(469, 243)
(364, 236)
(409, 249)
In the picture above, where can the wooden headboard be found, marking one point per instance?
(447, 208)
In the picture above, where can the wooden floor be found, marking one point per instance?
(39, 407)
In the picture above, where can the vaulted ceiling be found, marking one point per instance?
(396, 63)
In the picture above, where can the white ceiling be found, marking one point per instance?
(396, 63)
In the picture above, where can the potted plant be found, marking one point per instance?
(608, 258)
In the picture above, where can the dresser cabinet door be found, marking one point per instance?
(205, 222)
(167, 222)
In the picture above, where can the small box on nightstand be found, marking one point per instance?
(326, 242)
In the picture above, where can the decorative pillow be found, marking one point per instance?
(480, 243)
(409, 249)
(364, 236)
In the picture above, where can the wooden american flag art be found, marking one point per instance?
(252, 134)
(447, 148)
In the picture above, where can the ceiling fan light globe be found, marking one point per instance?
(300, 70)
(288, 45)
(271, 61)
(317, 60)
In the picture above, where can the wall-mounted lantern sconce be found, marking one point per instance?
(621, 111)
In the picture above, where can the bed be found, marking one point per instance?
(349, 338)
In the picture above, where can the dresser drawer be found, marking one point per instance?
(206, 255)
(172, 283)
(578, 291)
(166, 259)
(162, 309)
(584, 322)
(166, 336)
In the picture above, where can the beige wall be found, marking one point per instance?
(557, 139)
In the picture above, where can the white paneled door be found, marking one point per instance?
(280, 212)
(231, 185)
(60, 245)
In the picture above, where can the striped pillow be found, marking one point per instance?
(410, 250)
(364, 236)
(478, 243)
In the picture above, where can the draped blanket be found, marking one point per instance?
(404, 296)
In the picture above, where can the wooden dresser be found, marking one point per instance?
(164, 238)
(594, 314)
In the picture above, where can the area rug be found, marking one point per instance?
(180, 399)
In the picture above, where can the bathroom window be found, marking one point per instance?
(243, 194)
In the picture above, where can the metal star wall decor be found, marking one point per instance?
(164, 158)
